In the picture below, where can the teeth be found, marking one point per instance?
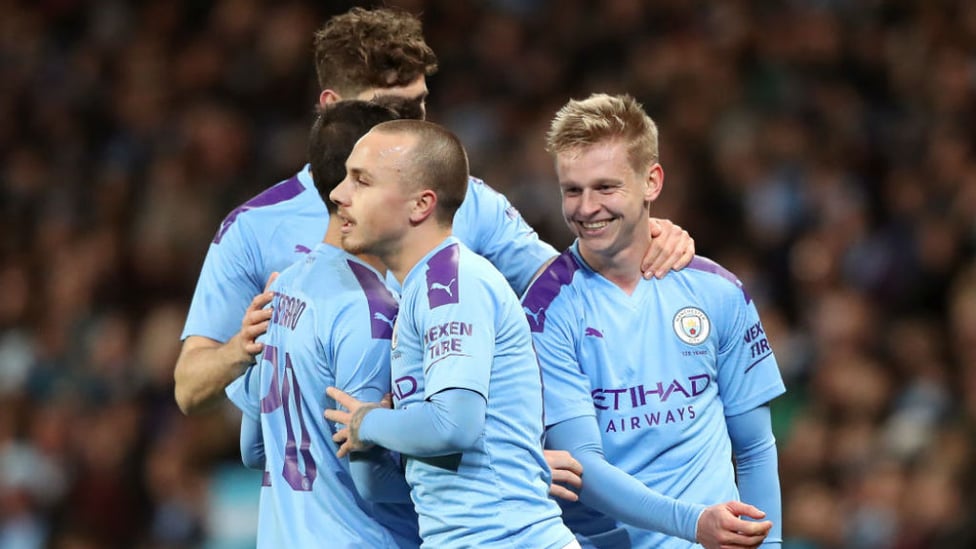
(597, 225)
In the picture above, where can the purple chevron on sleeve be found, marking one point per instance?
(382, 305)
(545, 289)
(286, 190)
(442, 273)
(699, 263)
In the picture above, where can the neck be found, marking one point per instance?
(621, 267)
(333, 238)
(414, 246)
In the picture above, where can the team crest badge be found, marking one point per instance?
(692, 326)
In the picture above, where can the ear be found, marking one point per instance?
(328, 97)
(654, 182)
(423, 206)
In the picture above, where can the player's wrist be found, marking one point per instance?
(239, 359)
(698, 525)
(356, 423)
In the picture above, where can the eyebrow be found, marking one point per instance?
(601, 181)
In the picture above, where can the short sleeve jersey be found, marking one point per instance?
(461, 327)
(660, 370)
(279, 226)
(332, 322)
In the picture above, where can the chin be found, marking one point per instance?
(351, 246)
(596, 248)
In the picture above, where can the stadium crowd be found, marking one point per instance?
(831, 147)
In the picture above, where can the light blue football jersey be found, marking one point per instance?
(660, 369)
(279, 226)
(461, 327)
(264, 235)
(333, 319)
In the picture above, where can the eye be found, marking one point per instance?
(571, 191)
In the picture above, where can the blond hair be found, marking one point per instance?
(601, 117)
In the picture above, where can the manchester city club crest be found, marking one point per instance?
(692, 326)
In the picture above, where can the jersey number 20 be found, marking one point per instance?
(287, 392)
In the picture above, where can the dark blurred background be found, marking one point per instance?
(823, 150)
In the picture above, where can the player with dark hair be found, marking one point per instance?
(331, 325)
(361, 54)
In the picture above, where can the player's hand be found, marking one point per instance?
(719, 526)
(348, 437)
(565, 471)
(256, 319)
(671, 248)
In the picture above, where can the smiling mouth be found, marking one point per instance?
(593, 225)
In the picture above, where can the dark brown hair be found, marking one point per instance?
(364, 49)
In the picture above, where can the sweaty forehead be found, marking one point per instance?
(386, 150)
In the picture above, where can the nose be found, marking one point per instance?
(338, 193)
(589, 204)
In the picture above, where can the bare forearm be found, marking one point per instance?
(203, 371)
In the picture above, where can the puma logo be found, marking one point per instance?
(445, 287)
(380, 316)
(299, 249)
(534, 316)
(592, 332)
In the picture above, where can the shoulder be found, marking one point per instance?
(339, 288)
(478, 185)
(273, 204)
(550, 283)
(448, 270)
(332, 274)
(482, 194)
(705, 270)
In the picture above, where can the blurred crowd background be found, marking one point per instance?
(823, 150)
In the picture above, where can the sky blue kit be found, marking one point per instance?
(317, 338)
(461, 329)
(279, 226)
(663, 373)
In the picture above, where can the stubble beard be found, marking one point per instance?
(351, 246)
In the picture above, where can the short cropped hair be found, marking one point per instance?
(601, 117)
(438, 162)
(380, 48)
